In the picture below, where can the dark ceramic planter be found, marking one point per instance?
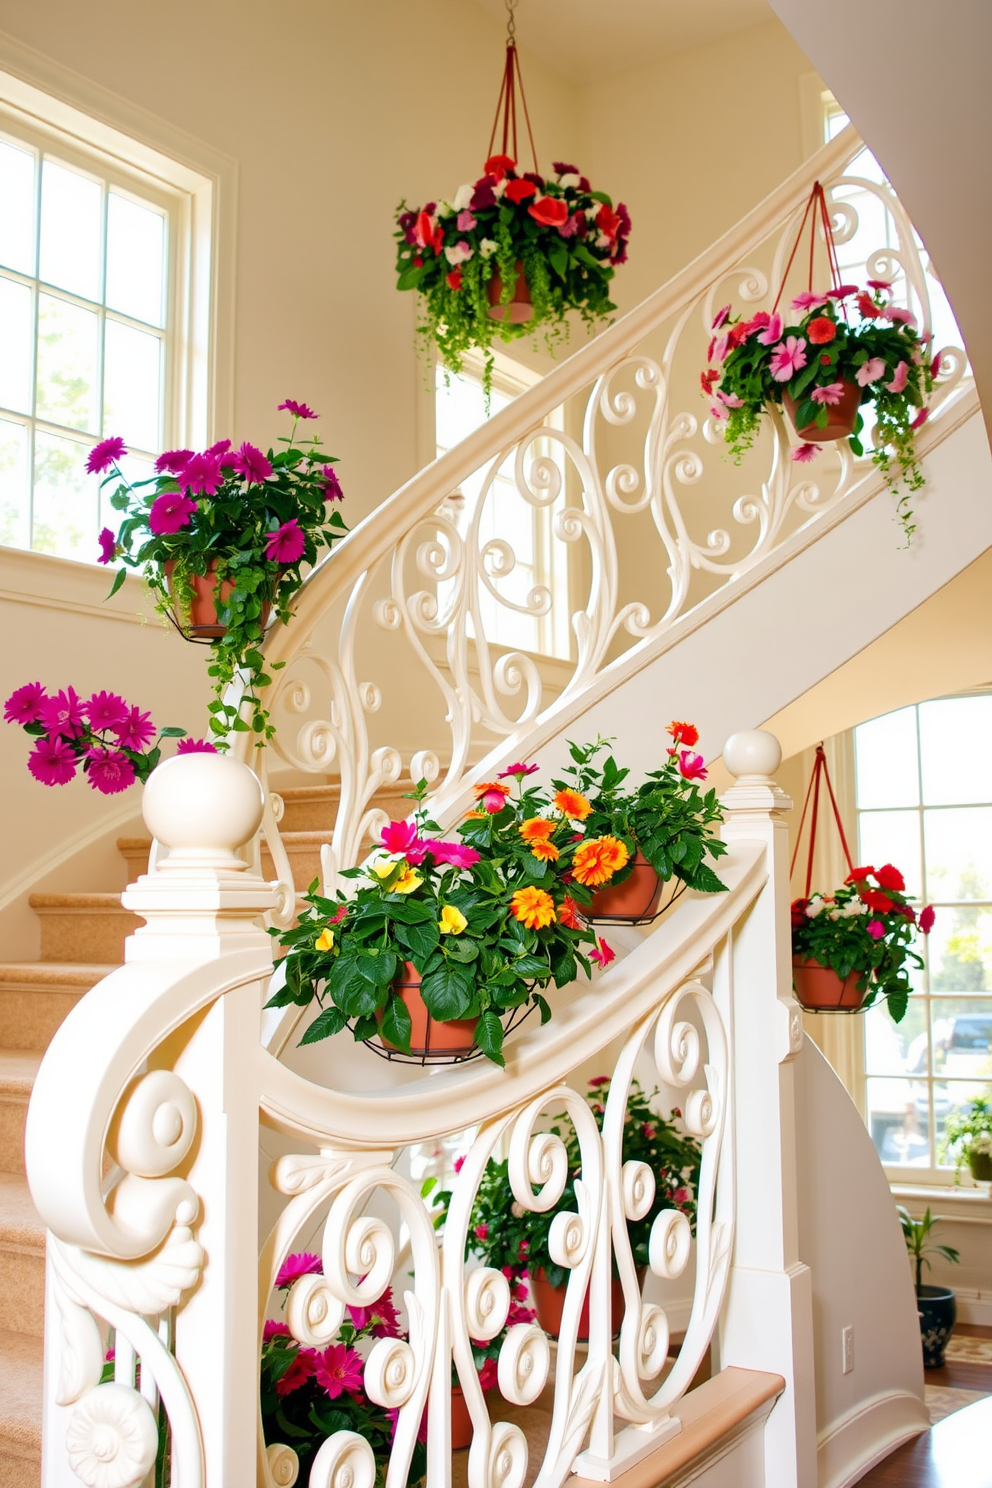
(980, 1164)
(938, 1311)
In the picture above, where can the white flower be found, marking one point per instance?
(834, 914)
(444, 209)
(592, 213)
(462, 197)
(569, 180)
(814, 907)
(487, 247)
(500, 187)
(459, 253)
(603, 241)
(982, 1145)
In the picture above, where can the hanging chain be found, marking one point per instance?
(511, 22)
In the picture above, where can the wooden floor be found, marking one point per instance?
(957, 1452)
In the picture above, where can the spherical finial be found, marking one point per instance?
(202, 807)
(752, 753)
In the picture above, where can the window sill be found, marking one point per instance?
(65, 584)
(969, 1204)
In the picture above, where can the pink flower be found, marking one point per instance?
(867, 306)
(718, 348)
(927, 918)
(455, 853)
(935, 365)
(52, 762)
(788, 357)
(718, 411)
(252, 464)
(195, 746)
(298, 410)
(481, 1232)
(105, 710)
(771, 332)
(108, 545)
(649, 1131)
(105, 454)
(875, 929)
(807, 300)
(603, 954)
(489, 1374)
(109, 770)
(870, 372)
(691, 766)
(599, 1080)
(899, 380)
(304, 1263)
(729, 400)
(380, 1317)
(275, 1328)
(459, 1163)
(286, 543)
(465, 221)
(681, 1196)
(879, 283)
(62, 714)
(518, 771)
(720, 317)
(842, 292)
(900, 316)
(332, 486)
(173, 461)
(832, 393)
(297, 1374)
(492, 799)
(920, 419)
(201, 474)
(24, 705)
(135, 730)
(221, 448)
(398, 836)
(170, 512)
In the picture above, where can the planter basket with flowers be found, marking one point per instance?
(840, 349)
(968, 1139)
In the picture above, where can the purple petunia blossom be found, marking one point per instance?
(109, 771)
(286, 543)
(62, 714)
(136, 731)
(173, 461)
(52, 762)
(298, 410)
(106, 710)
(252, 464)
(24, 705)
(105, 454)
(304, 1263)
(195, 746)
(332, 486)
(169, 512)
(108, 545)
(202, 474)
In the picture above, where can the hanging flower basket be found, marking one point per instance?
(513, 250)
(839, 349)
(819, 989)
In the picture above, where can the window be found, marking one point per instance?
(541, 559)
(924, 801)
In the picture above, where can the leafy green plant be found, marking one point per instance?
(252, 520)
(968, 1133)
(864, 927)
(916, 1233)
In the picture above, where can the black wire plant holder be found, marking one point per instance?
(511, 1019)
(649, 916)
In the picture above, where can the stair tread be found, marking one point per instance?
(47, 974)
(18, 1068)
(20, 1222)
(77, 902)
(21, 1359)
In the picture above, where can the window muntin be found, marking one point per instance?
(924, 800)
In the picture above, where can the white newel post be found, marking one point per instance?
(767, 1320)
(158, 1065)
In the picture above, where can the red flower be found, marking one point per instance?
(706, 381)
(607, 221)
(889, 877)
(867, 306)
(498, 165)
(858, 875)
(519, 191)
(821, 330)
(454, 279)
(691, 766)
(603, 953)
(826, 359)
(683, 733)
(877, 901)
(568, 914)
(799, 911)
(927, 918)
(549, 211)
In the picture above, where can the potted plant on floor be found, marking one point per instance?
(221, 538)
(665, 825)
(968, 1139)
(936, 1305)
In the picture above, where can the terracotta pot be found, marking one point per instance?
(980, 1164)
(821, 990)
(548, 1302)
(841, 416)
(427, 1035)
(520, 308)
(203, 624)
(636, 898)
(461, 1422)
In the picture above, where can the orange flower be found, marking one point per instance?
(546, 851)
(572, 805)
(492, 795)
(536, 829)
(476, 815)
(568, 914)
(596, 862)
(684, 733)
(533, 907)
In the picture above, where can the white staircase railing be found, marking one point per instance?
(142, 1150)
(404, 622)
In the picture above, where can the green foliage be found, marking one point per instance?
(916, 1233)
(968, 1131)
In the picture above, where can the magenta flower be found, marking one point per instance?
(252, 464)
(842, 292)
(771, 332)
(455, 853)
(691, 766)
(803, 453)
(465, 221)
(808, 300)
(899, 379)
(195, 746)
(870, 372)
(481, 1232)
(24, 705)
(398, 836)
(105, 710)
(173, 461)
(301, 1369)
(831, 394)
(875, 929)
(720, 317)
(275, 1328)
(718, 411)
(136, 731)
(927, 917)
(286, 543)
(518, 771)
(571, 226)
(62, 714)
(788, 357)
(109, 770)
(105, 454)
(338, 1369)
(879, 283)
(729, 400)
(380, 1317)
(202, 474)
(222, 447)
(718, 349)
(901, 316)
(304, 1263)
(459, 1163)
(169, 512)
(604, 954)
(108, 545)
(298, 410)
(599, 1080)
(332, 486)
(920, 419)
(52, 762)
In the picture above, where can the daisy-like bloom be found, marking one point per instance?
(568, 914)
(52, 762)
(870, 371)
(691, 766)
(298, 410)
(109, 771)
(927, 918)
(803, 453)
(788, 357)
(105, 454)
(62, 714)
(275, 1328)
(297, 1374)
(899, 379)
(252, 464)
(381, 1316)
(169, 512)
(304, 1263)
(452, 921)
(808, 300)
(324, 941)
(286, 543)
(683, 733)
(821, 330)
(24, 704)
(537, 829)
(195, 746)
(173, 462)
(105, 710)
(830, 394)
(108, 546)
(135, 730)
(533, 907)
(455, 853)
(338, 1369)
(596, 862)
(545, 852)
(491, 796)
(332, 486)
(476, 815)
(517, 771)
(603, 954)
(572, 804)
(398, 836)
(202, 474)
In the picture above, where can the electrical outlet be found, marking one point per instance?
(847, 1350)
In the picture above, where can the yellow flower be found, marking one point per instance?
(324, 941)
(595, 862)
(533, 907)
(452, 921)
(537, 829)
(571, 804)
(407, 882)
(383, 869)
(545, 851)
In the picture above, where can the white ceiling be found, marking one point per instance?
(587, 39)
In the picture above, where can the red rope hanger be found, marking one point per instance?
(816, 207)
(507, 102)
(819, 768)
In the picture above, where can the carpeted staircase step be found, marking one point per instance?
(22, 1259)
(18, 1068)
(20, 1410)
(83, 927)
(312, 808)
(35, 996)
